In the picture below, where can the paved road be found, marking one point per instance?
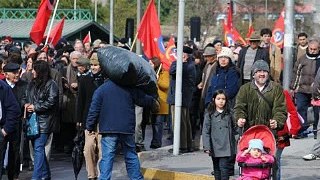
(293, 167)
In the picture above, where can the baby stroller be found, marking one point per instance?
(263, 133)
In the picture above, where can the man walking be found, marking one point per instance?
(113, 107)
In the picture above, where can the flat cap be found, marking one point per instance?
(83, 61)
(11, 67)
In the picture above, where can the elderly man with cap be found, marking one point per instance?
(10, 115)
(83, 65)
(210, 56)
(261, 102)
(248, 55)
(12, 78)
(188, 83)
(87, 85)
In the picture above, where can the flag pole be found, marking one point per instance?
(51, 23)
(134, 41)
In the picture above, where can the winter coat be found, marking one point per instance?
(19, 91)
(226, 79)
(113, 107)
(218, 134)
(45, 101)
(254, 172)
(304, 73)
(206, 82)
(10, 110)
(87, 85)
(57, 77)
(163, 87)
(275, 57)
(250, 106)
(188, 83)
(69, 95)
(316, 86)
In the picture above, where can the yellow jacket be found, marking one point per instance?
(163, 87)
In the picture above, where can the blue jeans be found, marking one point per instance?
(276, 170)
(157, 129)
(41, 165)
(221, 167)
(109, 146)
(303, 101)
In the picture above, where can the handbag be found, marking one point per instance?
(32, 125)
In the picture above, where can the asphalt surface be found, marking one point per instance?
(293, 166)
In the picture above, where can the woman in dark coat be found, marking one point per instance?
(42, 98)
(226, 78)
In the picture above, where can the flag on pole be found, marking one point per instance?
(250, 29)
(56, 33)
(231, 35)
(40, 24)
(171, 50)
(87, 38)
(149, 33)
(278, 31)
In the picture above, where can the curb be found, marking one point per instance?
(158, 174)
(162, 174)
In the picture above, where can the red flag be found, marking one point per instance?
(56, 33)
(149, 33)
(250, 30)
(171, 53)
(41, 21)
(231, 35)
(87, 38)
(278, 31)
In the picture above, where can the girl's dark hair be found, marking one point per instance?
(43, 73)
(212, 105)
(156, 61)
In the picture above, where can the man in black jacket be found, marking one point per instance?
(248, 55)
(12, 78)
(9, 115)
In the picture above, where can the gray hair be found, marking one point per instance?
(314, 40)
(75, 53)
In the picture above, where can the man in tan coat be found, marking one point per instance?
(274, 54)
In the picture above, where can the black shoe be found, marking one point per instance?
(181, 151)
(154, 146)
(301, 136)
(140, 148)
(93, 178)
(184, 150)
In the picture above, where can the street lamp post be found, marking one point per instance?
(266, 13)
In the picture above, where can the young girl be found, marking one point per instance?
(218, 135)
(255, 154)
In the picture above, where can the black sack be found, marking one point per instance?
(128, 69)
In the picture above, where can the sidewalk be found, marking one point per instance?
(160, 164)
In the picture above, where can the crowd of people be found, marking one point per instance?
(225, 90)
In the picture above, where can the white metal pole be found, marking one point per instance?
(138, 43)
(288, 42)
(74, 9)
(159, 3)
(95, 10)
(111, 23)
(51, 23)
(178, 93)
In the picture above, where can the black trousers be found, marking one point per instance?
(14, 140)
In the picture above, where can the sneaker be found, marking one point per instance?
(310, 157)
